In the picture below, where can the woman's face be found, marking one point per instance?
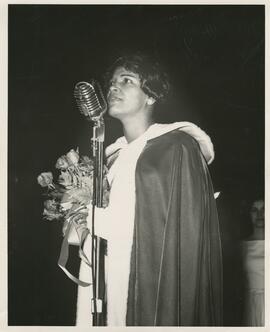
(257, 213)
(125, 97)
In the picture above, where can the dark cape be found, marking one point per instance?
(176, 264)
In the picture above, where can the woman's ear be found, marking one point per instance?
(150, 101)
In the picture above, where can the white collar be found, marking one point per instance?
(158, 129)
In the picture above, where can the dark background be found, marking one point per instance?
(215, 58)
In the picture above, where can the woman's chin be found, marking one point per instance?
(114, 112)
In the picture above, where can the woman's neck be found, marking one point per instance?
(135, 128)
(258, 234)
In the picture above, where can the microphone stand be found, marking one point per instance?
(97, 151)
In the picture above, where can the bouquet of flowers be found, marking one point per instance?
(67, 198)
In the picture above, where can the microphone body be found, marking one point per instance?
(90, 100)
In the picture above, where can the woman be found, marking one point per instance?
(164, 256)
(253, 263)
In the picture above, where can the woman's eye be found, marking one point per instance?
(127, 80)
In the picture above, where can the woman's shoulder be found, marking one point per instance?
(252, 242)
(185, 134)
(175, 140)
(175, 137)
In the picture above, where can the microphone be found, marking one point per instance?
(90, 99)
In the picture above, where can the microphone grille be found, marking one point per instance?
(90, 99)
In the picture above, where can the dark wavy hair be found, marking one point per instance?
(154, 80)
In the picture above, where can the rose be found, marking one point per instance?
(51, 210)
(78, 195)
(66, 205)
(45, 179)
(51, 205)
(87, 161)
(86, 165)
(65, 179)
(72, 157)
(62, 163)
(51, 215)
(87, 181)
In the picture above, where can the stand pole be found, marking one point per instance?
(97, 201)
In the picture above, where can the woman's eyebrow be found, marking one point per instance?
(129, 74)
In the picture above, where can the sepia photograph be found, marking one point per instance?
(136, 165)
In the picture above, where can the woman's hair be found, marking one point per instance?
(154, 80)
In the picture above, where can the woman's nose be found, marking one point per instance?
(113, 86)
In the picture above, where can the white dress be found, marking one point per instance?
(253, 264)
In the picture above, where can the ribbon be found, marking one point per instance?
(82, 232)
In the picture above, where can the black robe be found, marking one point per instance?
(176, 264)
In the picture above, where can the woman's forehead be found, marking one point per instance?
(122, 71)
(258, 204)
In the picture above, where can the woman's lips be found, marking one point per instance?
(114, 99)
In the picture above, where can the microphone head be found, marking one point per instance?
(90, 99)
